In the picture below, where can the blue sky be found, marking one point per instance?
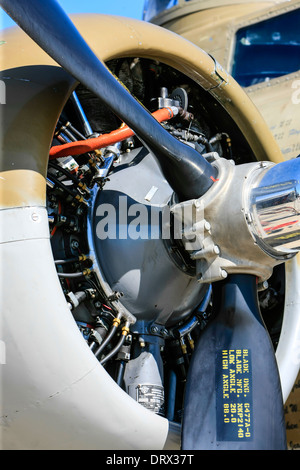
(131, 8)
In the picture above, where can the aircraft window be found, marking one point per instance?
(154, 7)
(267, 49)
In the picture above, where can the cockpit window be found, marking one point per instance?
(154, 7)
(267, 49)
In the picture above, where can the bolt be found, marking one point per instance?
(216, 249)
(154, 329)
(74, 244)
(224, 273)
(206, 225)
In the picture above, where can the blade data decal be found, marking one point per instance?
(234, 395)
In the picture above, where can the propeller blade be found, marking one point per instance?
(188, 173)
(233, 397)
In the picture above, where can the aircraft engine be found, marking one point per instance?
(154, 215)
(125, 244)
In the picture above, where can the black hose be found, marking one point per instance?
(68, 133)
(106, 340)
(120, 373)
(63, 171)
(69, 130)
(62, 186)
(114, 350)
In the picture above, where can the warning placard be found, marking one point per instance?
(292, 417)
(234, 395)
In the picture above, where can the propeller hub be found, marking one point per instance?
(247, 222)
(274, 209)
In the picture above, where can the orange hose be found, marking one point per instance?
(104, 140)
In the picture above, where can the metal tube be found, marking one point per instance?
(81, 114)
